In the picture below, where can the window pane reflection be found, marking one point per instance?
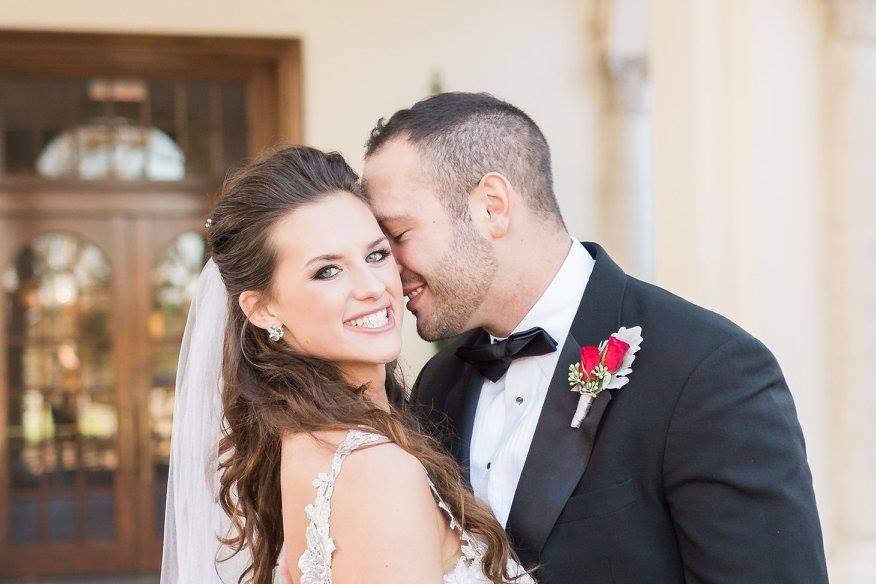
(130, 129)
(62, 417)
(173, 283)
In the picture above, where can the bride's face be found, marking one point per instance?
(336, 286)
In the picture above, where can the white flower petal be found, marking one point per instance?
(618, 382)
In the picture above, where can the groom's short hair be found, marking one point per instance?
(464, 136)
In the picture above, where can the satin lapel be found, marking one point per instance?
(559, 454)
(461, 406)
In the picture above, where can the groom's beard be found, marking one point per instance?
(460, 283)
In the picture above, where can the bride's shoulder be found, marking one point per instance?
(305, 455)
(381, 501)
(378, 460)
(322, 443)
(385, 485)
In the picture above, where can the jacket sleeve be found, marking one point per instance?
(736, 479)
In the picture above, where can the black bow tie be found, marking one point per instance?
(493, 359)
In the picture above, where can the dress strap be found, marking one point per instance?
(471, 548)
(315, 564)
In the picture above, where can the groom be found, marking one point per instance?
(694, 471)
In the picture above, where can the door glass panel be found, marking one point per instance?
(62, 415)
(129, 129)
(173, 283)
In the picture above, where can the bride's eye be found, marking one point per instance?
(378, 256)
(327, 273)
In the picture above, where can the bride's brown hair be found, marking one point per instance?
(270, 390)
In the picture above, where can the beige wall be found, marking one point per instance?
(363, 60)
(763, 175)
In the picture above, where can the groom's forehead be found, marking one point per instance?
(396, 163)
(392, 198)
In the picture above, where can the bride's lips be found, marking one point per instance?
(413, 293)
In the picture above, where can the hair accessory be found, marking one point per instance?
(209, 223)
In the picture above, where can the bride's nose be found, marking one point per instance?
(367, 284)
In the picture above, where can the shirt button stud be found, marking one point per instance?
(519, 400)
(489, 464)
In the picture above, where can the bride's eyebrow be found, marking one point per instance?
(329, 257)
(333, 257)
(374, 243)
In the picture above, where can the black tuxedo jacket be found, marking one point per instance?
(695, 471)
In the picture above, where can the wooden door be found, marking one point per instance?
(89, 334)
(111, 148)
(66, 396)
(170, 253)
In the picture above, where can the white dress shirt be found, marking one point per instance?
(508, 410)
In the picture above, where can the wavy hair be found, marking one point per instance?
(269, 389)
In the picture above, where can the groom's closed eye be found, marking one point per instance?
(396, 225)
(398, 236)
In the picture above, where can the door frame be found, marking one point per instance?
(271, 68)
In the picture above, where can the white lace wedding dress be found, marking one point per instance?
(315, 563)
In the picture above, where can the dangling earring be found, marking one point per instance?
(275, 332)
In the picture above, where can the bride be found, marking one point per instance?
(319, 459)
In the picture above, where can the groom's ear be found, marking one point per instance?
(491, 202)
(256, 309)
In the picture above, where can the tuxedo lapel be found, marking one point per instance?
(559, 454)
(461, 406)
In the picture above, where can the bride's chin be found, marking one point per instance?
(385, 358)
(376, 355)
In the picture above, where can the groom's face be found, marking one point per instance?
(446, 266)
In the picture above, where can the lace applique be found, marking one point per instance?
(471, 549)
(469, 567)
(315, 563)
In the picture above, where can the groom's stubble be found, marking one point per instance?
(458, 283)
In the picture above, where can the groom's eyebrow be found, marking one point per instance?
(393, 218)
(333, 257)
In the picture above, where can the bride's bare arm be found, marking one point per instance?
(385, 523)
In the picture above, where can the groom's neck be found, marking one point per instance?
(528, 264)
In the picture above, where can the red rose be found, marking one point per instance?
(589, 359)
(614, 353)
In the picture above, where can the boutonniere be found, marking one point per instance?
(603, 367)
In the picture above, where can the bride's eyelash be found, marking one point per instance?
(321, 274)
(384, 253)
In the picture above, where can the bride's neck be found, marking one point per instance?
(373, 376)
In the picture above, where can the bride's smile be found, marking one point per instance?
(378, 321)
